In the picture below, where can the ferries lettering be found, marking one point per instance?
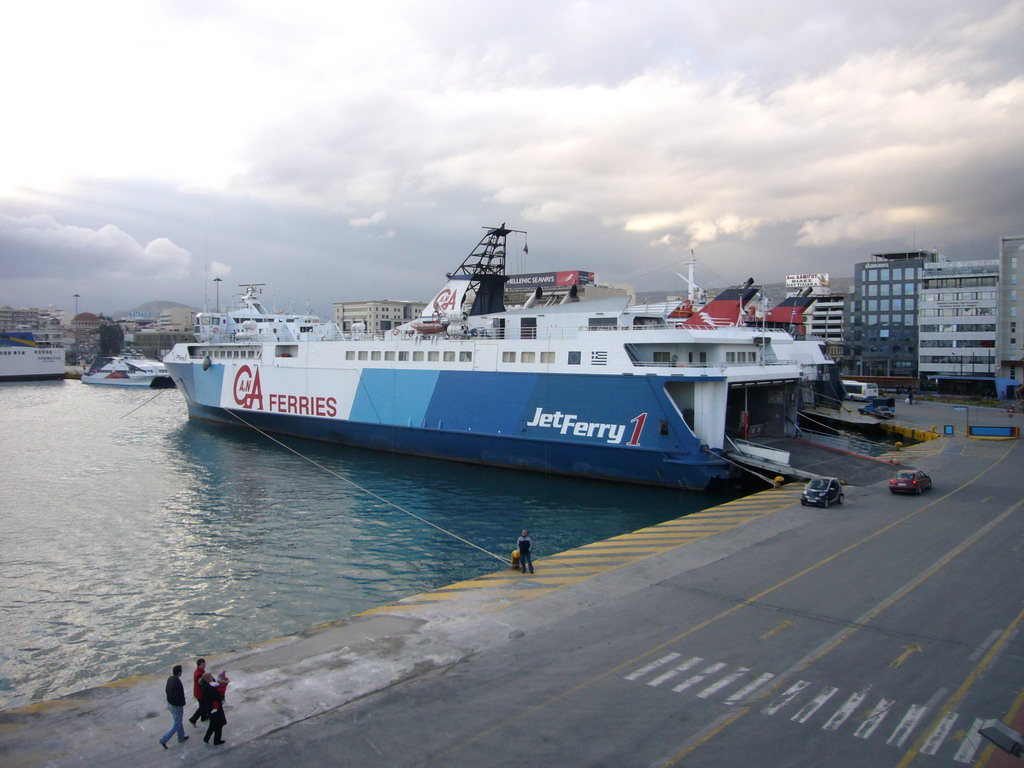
(249, 395)
(569, 423)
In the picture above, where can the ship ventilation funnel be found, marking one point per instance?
(571, 296)
(532, 301)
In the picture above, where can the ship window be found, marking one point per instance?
(449, 356)
(433, 356)
(375, 354)
(465, 357)
(547, 357)
(662, 357)
(508, 357)
(389, 355)
(528, 357)
(417, 357)
(403, 357)
(350, 354)
(362, 354)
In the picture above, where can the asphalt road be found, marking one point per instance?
(879, 633)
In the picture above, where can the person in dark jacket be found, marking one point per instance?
(524, 551)
(176, 704)
(213, 694)
(197, 691)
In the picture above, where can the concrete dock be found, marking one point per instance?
(876, 633)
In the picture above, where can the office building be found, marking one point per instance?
(376, 316)
(957, 312)
(1009, 340)
(883, 314)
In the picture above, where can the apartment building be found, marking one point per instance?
(377, 315)
(957, 315)
(1009, 332)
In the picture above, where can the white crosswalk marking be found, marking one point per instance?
(749, 688)
(725, 682)
(970, 744)
(697, 678)
(688, 664)
(814, 704)
(874, 719)
(844, 712)
(669, 666)
(788, 695)
(653, 666)
(906, 725)
(935, 739)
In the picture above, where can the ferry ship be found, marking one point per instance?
(129, 369)
(31, 355)
(597, 389)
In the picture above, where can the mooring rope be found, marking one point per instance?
(367, 491)
(769, 480)
(154, 397)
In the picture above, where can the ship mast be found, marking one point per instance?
(485, 270)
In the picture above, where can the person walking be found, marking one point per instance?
(197, 691)
(525, 559)
(176, 704)
(213, 694)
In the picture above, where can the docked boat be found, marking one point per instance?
(31, 355)
(591, 388)
(128, 370)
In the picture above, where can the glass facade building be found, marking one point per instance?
(883, 314)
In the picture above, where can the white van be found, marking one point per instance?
(860, 390)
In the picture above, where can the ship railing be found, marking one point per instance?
(749, 364)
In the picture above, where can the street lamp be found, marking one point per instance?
(217, 280)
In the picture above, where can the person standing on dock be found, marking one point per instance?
(215, 696)
(197, 691)
(176, 704)
(524, 551)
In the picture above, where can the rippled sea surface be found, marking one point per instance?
(133, 538)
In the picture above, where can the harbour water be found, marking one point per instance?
(134, 539)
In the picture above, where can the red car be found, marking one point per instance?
(910, 481)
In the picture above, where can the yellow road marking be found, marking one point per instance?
(907, 651)
(784, 625)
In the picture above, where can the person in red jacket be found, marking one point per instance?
(197, 692)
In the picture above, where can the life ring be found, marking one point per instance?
(216, 329)
(394, 331)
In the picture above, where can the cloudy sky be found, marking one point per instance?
(336, 150)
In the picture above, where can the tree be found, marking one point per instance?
(111, 338)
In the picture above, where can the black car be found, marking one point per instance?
(823, 492)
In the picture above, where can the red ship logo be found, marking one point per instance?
(248, 392)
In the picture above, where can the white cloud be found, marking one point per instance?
(367, 221)
(650, 126)
(861, 227)
(39, 249)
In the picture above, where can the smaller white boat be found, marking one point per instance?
(128, 370)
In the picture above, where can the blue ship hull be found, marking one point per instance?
(605, 427)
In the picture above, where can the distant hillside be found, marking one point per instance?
(152, 308)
